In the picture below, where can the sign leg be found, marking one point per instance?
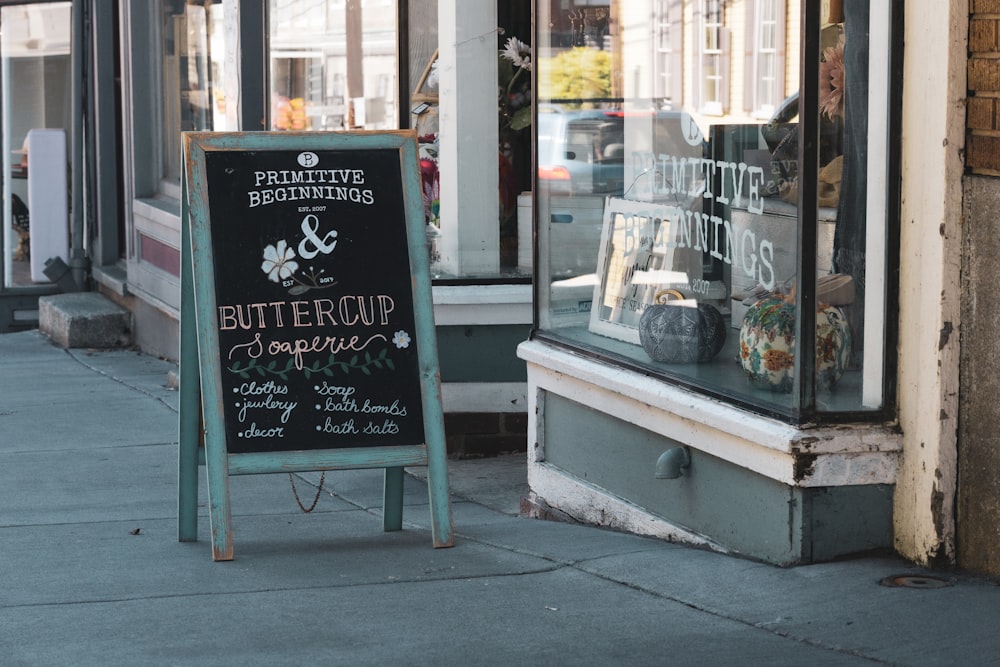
(189, 409)
(217, 472)
(187, 456)
(442, 531)
(220, 514)
(392, 503)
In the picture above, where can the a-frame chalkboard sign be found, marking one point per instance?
(307, 327)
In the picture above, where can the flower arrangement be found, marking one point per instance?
(513, 116)
(514, 90)
(430, 179)
(831, 81)
(514, 83)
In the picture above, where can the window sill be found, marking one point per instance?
(841, 455)
(482, 304)
(113, 278)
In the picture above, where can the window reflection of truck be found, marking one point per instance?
(581, 157)
(581, 160)
(580, 152)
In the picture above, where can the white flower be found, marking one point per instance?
(401, 339)
(278, 263)
(428, 151)
(518, 53)
(434, 76)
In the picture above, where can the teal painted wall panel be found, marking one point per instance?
(481, 353)
(855, 518)
(744, 511)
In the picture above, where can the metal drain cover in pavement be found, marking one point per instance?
(914, 581)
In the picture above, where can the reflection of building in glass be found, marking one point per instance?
(717, 58)
(711, 77)
(333, 65)
(766, 49)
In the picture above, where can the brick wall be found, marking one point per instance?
(982, 155)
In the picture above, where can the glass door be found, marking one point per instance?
(35, 91)
(35, 112)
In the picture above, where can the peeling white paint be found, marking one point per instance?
(591, 504)
(934, 89)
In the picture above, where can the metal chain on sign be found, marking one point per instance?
(295, 492)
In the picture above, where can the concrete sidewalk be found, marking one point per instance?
(92, 572)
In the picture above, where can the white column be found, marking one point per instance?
(930, 276)
(879, 25)
(467, 66)
(231, 83)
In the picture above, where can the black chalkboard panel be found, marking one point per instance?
(313, 292)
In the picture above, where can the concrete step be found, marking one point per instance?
(84, 319)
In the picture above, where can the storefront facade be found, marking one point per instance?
(684, 148)
(737, 178)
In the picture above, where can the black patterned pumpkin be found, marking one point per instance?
(681, 332)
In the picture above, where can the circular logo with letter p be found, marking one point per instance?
(308, 159)
(690, 130)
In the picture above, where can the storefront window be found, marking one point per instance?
(174, 77)
(35, 98)
(192, 52)
(686, 225)
(333, 64)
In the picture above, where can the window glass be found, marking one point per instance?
(712, 78)
(671, 215)
(36, 84)
(192, 52)
(333, 65)
(765, 56)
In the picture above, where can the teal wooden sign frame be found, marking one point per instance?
(359, 169)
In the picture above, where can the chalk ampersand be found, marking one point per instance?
(312, 244)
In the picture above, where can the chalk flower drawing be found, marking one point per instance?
(278, 264)
(401, 339)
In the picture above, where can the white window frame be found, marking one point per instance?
(153, 201)
(663, 45)
(766, 56)
(711, 57)
(766, 14)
